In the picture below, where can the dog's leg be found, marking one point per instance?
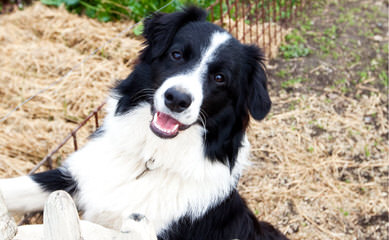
(29, 193)
(22, 194)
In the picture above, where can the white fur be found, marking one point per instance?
(182, 181)
(192, 82)
(22, 194)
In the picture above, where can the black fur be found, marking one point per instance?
(98, 133)
(56, 179)
(226, 107)
(231, 219)
(135, 89)
(226, 110)
(160, 29)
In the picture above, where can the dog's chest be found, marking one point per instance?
(180, 181)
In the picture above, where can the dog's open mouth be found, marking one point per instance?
(165, 126)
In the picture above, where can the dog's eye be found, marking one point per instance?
(219, 78)
(176, 55)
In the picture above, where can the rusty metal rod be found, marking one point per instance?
(66, 139)
(263, 24)
(243, 23)
(269, 27)
(275, 21)
(250, 21)
(221, 13)
(229, 13)
(257, 21)
(75, 141)
(96, 114)
(236, 20)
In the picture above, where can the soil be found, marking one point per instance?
(347, 66)
(348, 42)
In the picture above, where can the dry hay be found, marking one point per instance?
(38, 46)
(319, 161)
(320, 167)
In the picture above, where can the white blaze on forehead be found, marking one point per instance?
(192, 81)
(217, 39)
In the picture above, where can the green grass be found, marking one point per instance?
(367, 151)
(310, 149)
(295, 46)
(292, 82)
(363, 75)
(383, 76)
(293, 104)
(294, 50)
(344, 212)
(341, 84)
(282, 73)
(327, 41)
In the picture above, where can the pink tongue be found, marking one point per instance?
(166, 122)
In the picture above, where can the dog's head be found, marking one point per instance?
(198, 73)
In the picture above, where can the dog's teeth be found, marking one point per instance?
(155, 122)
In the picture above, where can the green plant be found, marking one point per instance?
(363, 76)
(295, 46)
(367, 151)
(310, 149)
(292, 82)
(344, 212)
(384, 78)
(109, 10)
(282, 73)
(19, 4)
(294, 51)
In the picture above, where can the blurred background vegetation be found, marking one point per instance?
(111, 10)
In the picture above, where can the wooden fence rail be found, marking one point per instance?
(61, 222)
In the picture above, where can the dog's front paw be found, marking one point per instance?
(137, 226)
(138, 217)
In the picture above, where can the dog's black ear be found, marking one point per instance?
(258, 101)
(160, 28)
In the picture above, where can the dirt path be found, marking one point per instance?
(322, 154)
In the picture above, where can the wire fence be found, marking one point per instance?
(261, 22)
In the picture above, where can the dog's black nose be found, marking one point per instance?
(177, 100)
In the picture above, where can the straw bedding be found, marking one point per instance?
(39, 46)
(319, 169)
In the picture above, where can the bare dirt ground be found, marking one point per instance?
(320, 159)
(322, 155)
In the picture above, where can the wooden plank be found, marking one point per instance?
(60, 218)
(8, 226)
(61, 222)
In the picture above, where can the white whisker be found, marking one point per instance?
(203, 120)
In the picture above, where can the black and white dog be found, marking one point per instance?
(173, 144)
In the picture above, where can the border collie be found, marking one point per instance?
(173, 143)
